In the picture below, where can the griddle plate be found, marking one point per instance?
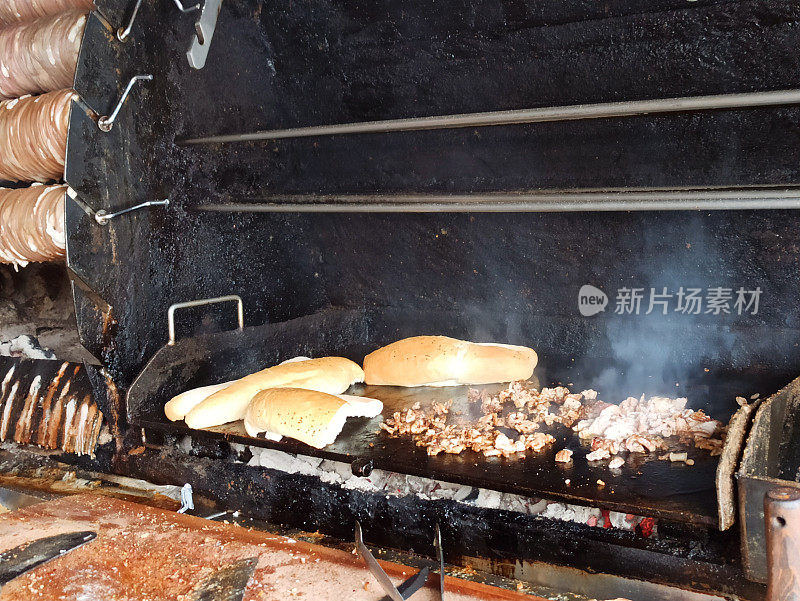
(643, 487)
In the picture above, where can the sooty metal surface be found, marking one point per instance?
(655, 488)
(771, 459)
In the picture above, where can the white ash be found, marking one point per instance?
(25, 346)
(396, 485)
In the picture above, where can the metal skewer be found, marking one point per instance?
(545, 200)
(534, 115)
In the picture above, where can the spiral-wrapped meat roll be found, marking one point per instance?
(41, 55)
(32, 224)
(14, 11)
(33, 136)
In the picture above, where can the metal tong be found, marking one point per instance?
(412, 584)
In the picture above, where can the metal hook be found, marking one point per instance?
(107, 122)
(124, 32)
(102, 216)
(186, 9)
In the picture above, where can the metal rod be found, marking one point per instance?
(102, 216)
(200, 302)
(440, 555)
(124, 32)
(186, 9)
(106, 123)
(534, 115)
(399, 593)
(374, 567)
(616, 200)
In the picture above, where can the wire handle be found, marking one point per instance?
(200, 302)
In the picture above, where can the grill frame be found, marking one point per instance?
(131, 271)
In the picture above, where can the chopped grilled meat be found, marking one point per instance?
(519, 422)
(636, 425)
(640, 425)
(616, 463)
(491, 404)
(564, 456)
(598, 455)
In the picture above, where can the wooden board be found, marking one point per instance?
(143, 553)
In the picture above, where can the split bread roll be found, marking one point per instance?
(443, 361)
(177, 407)
(332, 375)
(312, 417)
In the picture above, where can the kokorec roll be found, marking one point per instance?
(41, 55)
(14, 11)
(32, 224)
(33, 136)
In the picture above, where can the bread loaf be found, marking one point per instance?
(177, 407)
(332, 375)
(312, 417)
(443, 361)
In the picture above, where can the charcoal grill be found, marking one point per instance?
(353, 174)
